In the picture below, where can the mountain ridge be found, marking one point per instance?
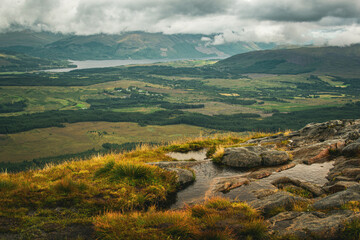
(129, 45)
(321, 60)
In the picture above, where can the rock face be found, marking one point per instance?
(254, 156)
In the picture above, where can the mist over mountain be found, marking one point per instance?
(130, 45)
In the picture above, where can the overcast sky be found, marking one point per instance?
(332, 22)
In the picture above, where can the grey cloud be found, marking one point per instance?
(284, 21)
(299, 10)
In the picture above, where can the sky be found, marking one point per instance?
(319, 22)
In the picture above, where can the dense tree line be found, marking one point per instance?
(133, 100)
(235, 122)
(13, 107)
(173, 106)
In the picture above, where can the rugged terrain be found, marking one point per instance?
(298, 185)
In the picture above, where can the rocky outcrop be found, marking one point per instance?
(253, 156)
(319, 201)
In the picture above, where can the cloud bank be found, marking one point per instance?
(332, 22)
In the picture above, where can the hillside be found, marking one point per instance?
(320, 60)
(141, 194)
(131, 45)
(13, 61)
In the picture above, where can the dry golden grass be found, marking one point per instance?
(202, 221)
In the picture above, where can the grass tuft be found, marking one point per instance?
(105, 169)
(218, 203)
(219, 154)
(135, 171)
(68, 186)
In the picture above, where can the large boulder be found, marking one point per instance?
(241, 157)
(272, 158)
(253, 156)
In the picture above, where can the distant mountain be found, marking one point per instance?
(131, 45)
(343, 61)
(12, 61)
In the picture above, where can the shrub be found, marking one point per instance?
(105, 169)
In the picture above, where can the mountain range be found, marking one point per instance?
(130, 45)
